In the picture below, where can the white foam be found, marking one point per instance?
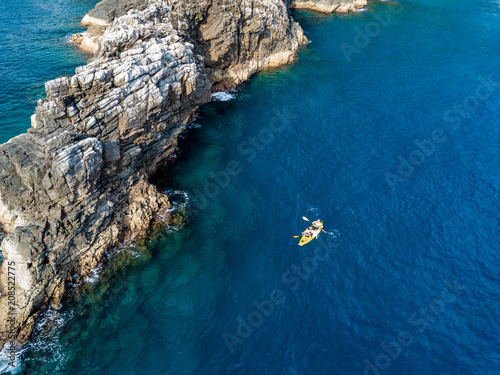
(67, 39)
(192, 125)
(312, 209)
(94, 275)
(178, 198)
(131, 249)
(5, 362)
(223, 96)
(335, 233)
(45, 340)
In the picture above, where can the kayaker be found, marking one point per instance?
(317, 224)
(308, 232)
(312, 232)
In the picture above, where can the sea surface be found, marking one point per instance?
(386, 128)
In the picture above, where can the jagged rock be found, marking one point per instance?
(76, 184)
(329, 6)
(89, 40)
(105, 12)
(111, 151)
(237, 37)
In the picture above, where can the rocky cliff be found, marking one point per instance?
(237, 38)
(76, 184)
(329, 6)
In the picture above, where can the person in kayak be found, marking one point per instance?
(317, 225)
(313, 230)
(308, 232)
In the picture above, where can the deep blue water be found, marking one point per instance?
(395, 149)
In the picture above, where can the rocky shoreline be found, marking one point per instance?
(76, 185)
(329, 6)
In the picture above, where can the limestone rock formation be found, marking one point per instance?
(100, 17)
(89, 40)
(76, 184)
(329, 6)
(240, 37)
(237, 37)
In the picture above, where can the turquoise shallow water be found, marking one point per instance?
(396, 149)
(34, 48)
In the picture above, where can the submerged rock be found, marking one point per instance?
(77, 183)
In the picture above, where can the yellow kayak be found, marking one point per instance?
(305, 240)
